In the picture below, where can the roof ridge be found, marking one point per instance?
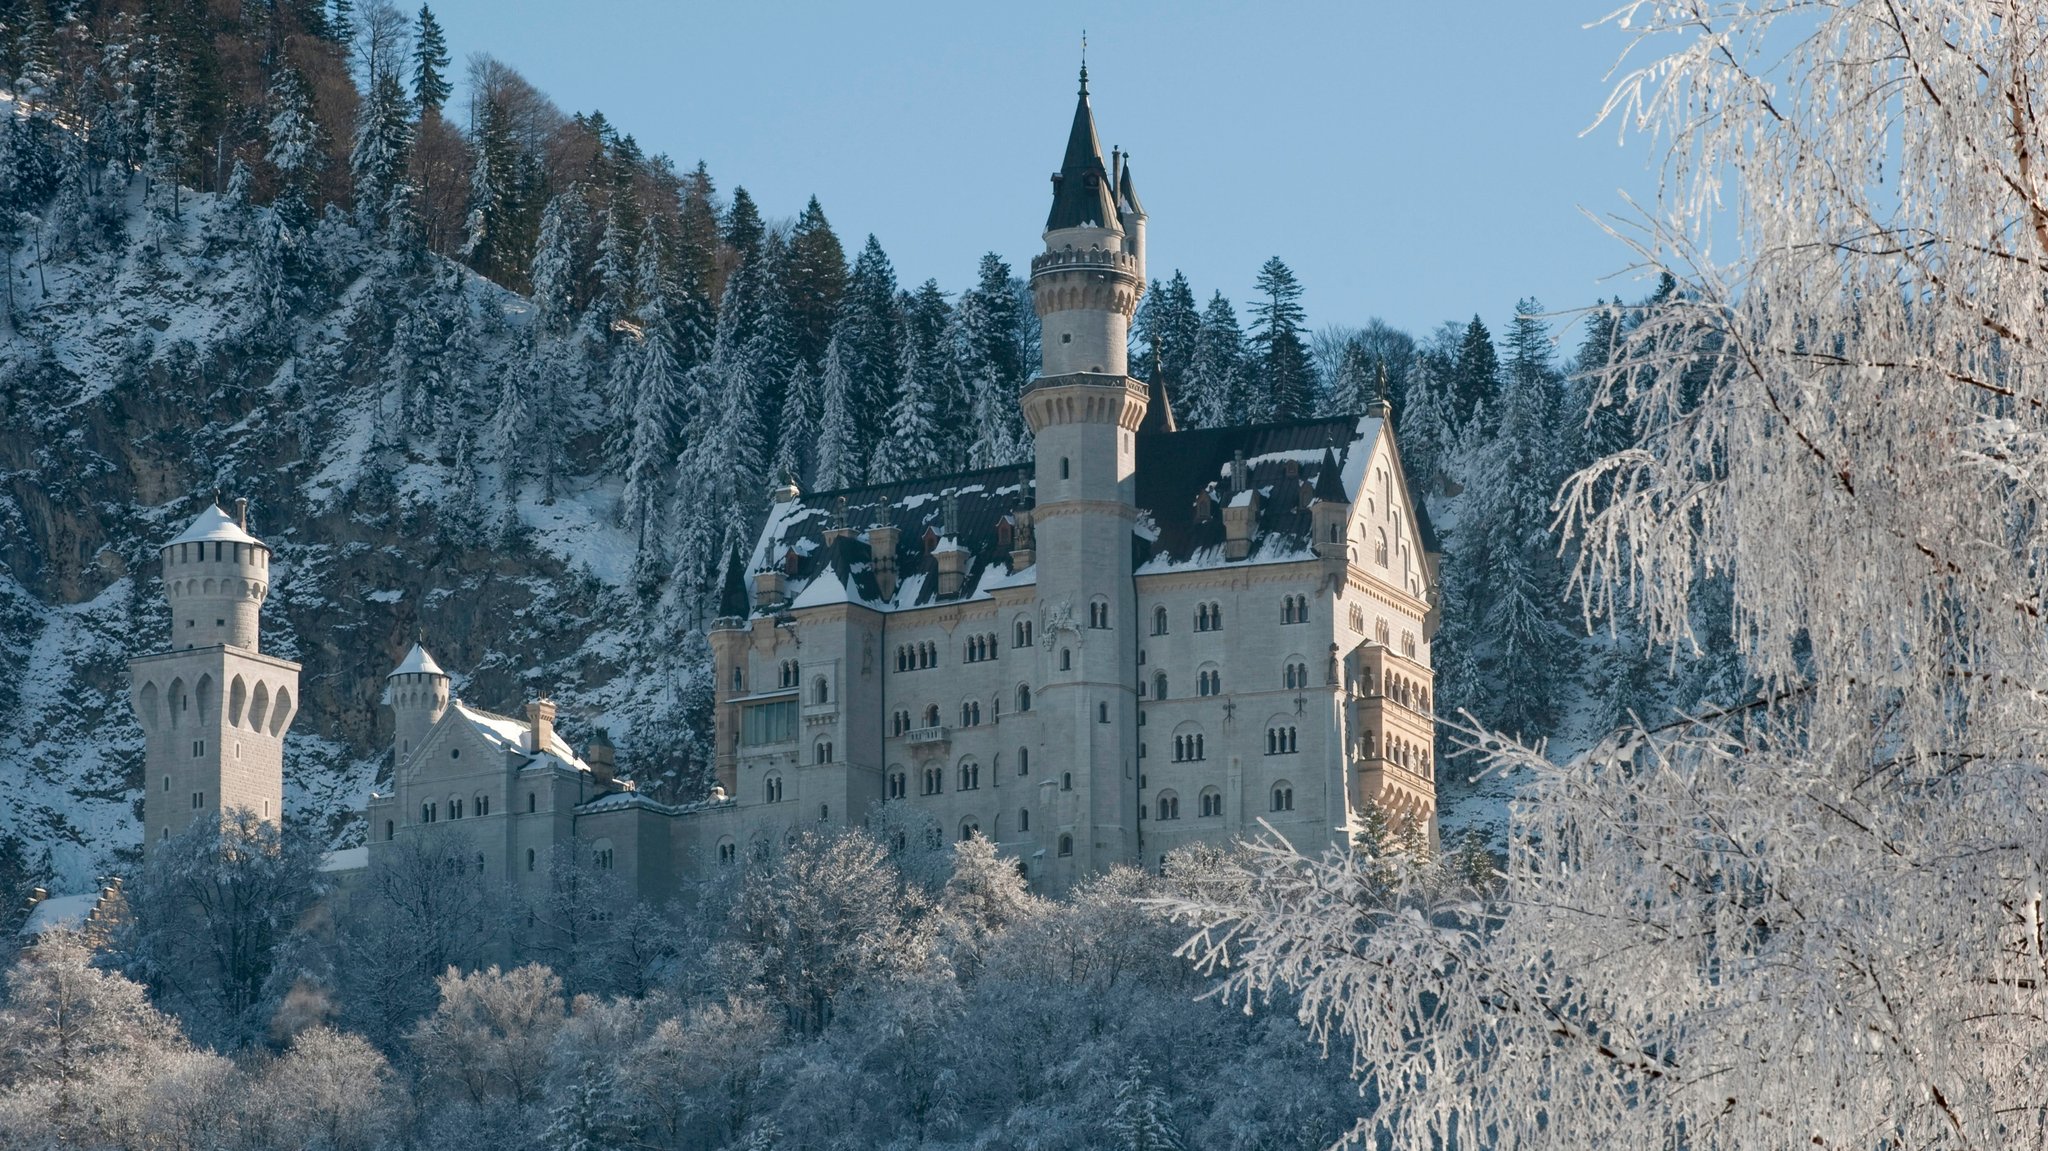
(914, 481)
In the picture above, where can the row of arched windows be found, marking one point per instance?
(1294, 609)
(1295, 675)
(917, 656)
(1209, 617)
(789, 673)
(480, 805)
(1188, 748)
(1281, 740)
(980, 648)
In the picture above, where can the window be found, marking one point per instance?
(1066, 845)
(823, 751)
(969, 828)
(454, 753)
(1098, 614)
(1295, 675)
(1159, 620)
(788, 673)
(970, 775)
(1102, 712)
(898, 785)
(1188, 747)
(1168, 805)
(821, 692)
(1159, 686)
(1283, 796)
(602, 857)
(1023, 697)
(1212, 803)
(1023, 819)
(1357, 620)
(483, 804)
(771, 788)
(762, 724)
(1294, 609)
(390, 830)
(198, 748)
(1021, 631)
(1382, 633)
(529, 859)
(934, 781)
(167, 783)
(728, 852)
(1066, 781)
(970, 713)
(739, 679)
(931, 715)
(454, 807)
(899, 723)
(1209, 617)
(1023, 761)
(1066, 664)
(1280, 740)
(1209, 681)
(981, 648)
(1408, 644)
(426, 810)
(529, 803)
(1066, 471)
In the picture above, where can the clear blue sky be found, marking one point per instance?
(1414, 161)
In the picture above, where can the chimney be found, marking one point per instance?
(242, 513)
(1239, 517)
(541, 715)
(952, 568)
(770, 586)
(882, 544)
(598, 754)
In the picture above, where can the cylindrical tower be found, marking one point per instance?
(417, 690)
(215, 577)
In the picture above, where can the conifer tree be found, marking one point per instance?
(796, 432)
(1217, 381)
(839, 461)
(742, 230)
(1474, 378)
(1140, 1121)
(1289, 384)
(294, 146)
(813, 280)
(867, 333)
(384, 134)
(990, 340)
(928, 330)
(430, 87)
(1168, 330)
(913, 446)
(697, 235)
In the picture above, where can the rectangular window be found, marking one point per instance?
(762, 724)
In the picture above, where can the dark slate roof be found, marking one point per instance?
(732, 598)
(1125, 191)
(1286, 466)
(984, 504)
(1158, 406)
(1081, 190)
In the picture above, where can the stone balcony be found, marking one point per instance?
(927, 737)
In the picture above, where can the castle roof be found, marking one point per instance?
(1126, 194)
(508, 734)
(213, 524)
(417, 662)
(1081, 192)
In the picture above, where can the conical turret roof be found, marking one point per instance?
(417, 662)
(1126, 191)
(733, 601)
(1081, 192)
(213, 524)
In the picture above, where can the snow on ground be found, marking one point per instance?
(578, 527)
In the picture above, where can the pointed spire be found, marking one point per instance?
(1082, 196)
(733, 602)
(1329, 480)
(1126, 193)
(1158, 408)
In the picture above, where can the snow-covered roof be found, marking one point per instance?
(213, 524)
(60, 913)
(346, 859)
(417, 662)
(508, 734)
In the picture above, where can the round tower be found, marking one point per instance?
(417, 691)
(1085, 286)
(215, 577)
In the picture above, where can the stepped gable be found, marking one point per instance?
(1284, 463)
(984, 525)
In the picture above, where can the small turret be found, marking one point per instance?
(1330, 510)
(417, 692)
(215, 577)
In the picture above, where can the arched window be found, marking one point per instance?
(728, 851)
(1188, 744)
(824, 751)
(1379, 550)
(1159, 686)
(483, 804)
(739, 678)
(824, 812)
(390, 830)
(789, 673)
(970, 775)
(1098, 614)
(931, 715)
(1023, 819)
(1168, 805)
(1102, 712)
(1281, 740)
(821, 691)
(1209, 681)
(1283, 796)
(1066, 660)
(530, 859)
(1066, 470)
(1023, 761)
(1159, 620)
(601, 855)
(1023, 697)
(1295, 675)
(969, 828)
(426, 812)
(1066, 845)
(1287, 610)
(772, 788)
(970, 713)
(454, 807)
(1022, 633)
(529, 803)
(934, 781)
(1066, 781)
(899, 784)
(1212, 803)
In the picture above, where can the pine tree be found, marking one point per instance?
(927, 332)
(1290, 376)
(430, 87)
(294, 146)
(1168, 330)
(1474, 378)
(1217, 388)
(1140, 1121)
(384, 134)
(589, 1117)
(813, 280)
(867, 332)
(342, 25)
(796, 432)
(554, 267)
(742, 230)
(990, 340)
(913, 446)
(839, 461)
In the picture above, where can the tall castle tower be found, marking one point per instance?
(1085, 410)
(213, 708)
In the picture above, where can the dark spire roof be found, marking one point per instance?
(1329, 480)
(1081, 191)
(1124, 191)
(732, 599)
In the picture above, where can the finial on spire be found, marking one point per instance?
(1084, 61)
(1383, 382)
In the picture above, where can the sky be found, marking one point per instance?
(1418, 162)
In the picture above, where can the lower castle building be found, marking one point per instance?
(1144, 638)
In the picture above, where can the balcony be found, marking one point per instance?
(929, 736)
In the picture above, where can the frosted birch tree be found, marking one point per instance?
(1813, 918)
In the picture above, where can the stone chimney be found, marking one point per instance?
(242, 513)
(952, 568)
(541, 715)
(1239, 517)
(770, 586)
(882, 543)
(598, 754)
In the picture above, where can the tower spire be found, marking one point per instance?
(1084, 61)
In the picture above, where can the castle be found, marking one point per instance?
(1144, 638)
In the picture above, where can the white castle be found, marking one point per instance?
(1145, 638)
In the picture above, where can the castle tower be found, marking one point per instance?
(1084, 411)
(213, 708)
(417, 690)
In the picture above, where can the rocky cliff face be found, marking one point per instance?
(350, 392)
